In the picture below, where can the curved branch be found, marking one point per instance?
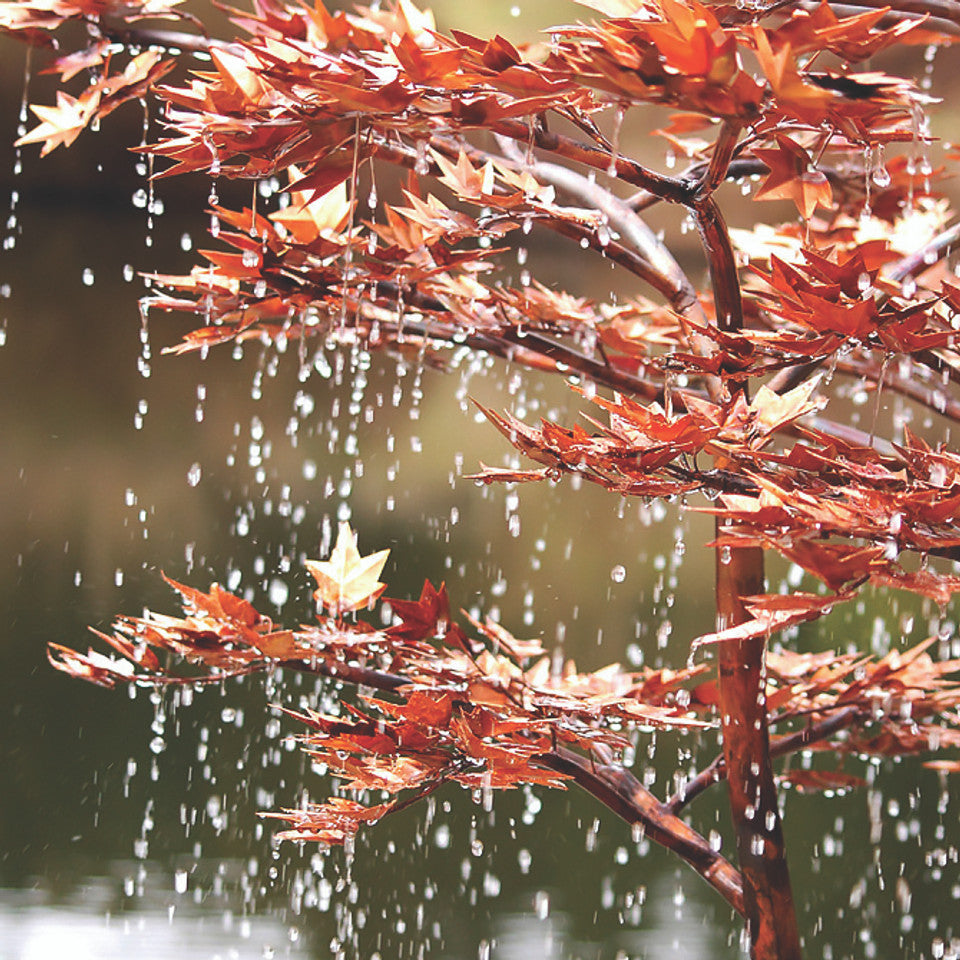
(933, 22)
(719, 167)
(147, 36)
(948, 10)
(666, 188)
(618, 790)
(722, 262)
(909, 265)
(530, 349)
(615, 787)
(633, 230)
(648, 259)
(929, 397)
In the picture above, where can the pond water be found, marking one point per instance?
(128, 825)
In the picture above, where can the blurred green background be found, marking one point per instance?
(132, 825)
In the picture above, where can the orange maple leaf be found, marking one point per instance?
(792, 90)
(63, 123)
(793, 177)
(310, 216)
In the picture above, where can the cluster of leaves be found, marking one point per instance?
(487, 710)
(321, 97)
(807, 503)
(37, 22)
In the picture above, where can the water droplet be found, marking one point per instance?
(421, 165)
(619, 573)
(279, 592)
(881, 177)
(541, 904)
(615, 139)
(194, 474)
(88, 277)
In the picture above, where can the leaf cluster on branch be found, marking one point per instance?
(487, 710)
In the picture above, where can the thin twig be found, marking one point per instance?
(779, 747)
(918, 262)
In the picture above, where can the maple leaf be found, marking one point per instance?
(804, 99)
(318, 209)
(773, 410)
(347, 581)
(772, 613)
(63, 123)
(692, 42)
(793, 177)
(71, 64)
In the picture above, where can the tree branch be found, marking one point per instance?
(146, 36)
(722, 263)
(621, 792)
(914, 262)
(613, 786)
(667, 188)
(779, 747)
(719, 167)
(680, 292)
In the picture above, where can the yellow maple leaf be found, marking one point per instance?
(347, 581)
(773, 410)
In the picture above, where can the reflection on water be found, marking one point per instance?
(669, 932)
(99, 922)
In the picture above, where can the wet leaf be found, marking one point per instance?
(347, 581)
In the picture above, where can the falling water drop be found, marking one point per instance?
(881, 177)
(615, 139)
(421, 165)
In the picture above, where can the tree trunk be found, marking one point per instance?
(771, 919)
